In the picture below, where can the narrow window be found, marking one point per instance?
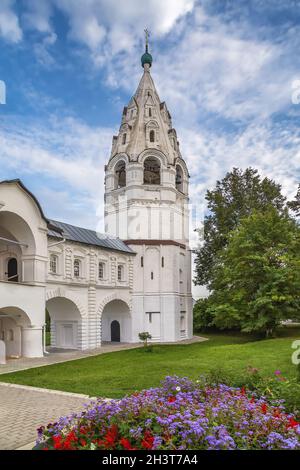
(120, 175)
(76, 268)
(120, 272)
(53, 264)
(150, 112)
(152, 136)
(152, 276)
(124, 139)
(179, 178)
(142, 261)
(162, 262)
(131, 114)
(101, 270)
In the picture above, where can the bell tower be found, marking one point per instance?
(146, 205)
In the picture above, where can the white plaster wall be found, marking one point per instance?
(117, 310)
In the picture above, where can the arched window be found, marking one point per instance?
(124, 138)
(53, 264)
(101, 270)
(120, 175)
(77, 266)
(179, 178)
(152, 136)
(151, 171)
(120, 272)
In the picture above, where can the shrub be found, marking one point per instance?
(145, 336)
(180, 414)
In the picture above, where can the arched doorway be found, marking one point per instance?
(65, 323)
(14, 323)
(12, 270)
(116, 322)
(115, 332)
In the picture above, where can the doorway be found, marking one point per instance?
(12, 270)
(115, 331)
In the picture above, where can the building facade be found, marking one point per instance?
(97, 288)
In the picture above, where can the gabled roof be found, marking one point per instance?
(21, 184)
(86, 236)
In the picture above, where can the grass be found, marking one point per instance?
(119, 373)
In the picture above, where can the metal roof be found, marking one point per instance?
(88, 237)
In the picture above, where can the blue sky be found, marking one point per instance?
(226, 69)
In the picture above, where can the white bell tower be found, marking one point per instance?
(146, 204)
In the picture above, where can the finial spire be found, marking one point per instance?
(147, 34)
(146, 57)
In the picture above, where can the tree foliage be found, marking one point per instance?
(234, 197)
(295, 204)
(256, 277)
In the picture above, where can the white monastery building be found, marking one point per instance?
(102, 288)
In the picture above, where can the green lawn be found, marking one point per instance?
(119, 373)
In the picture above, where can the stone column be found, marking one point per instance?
(32, 341)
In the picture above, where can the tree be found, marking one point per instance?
(295, 204)
(234, 197)
(145, 336)
(202, 317)
(257, 275)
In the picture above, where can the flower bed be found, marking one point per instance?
(181, 414)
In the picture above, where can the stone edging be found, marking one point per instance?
(46, 390)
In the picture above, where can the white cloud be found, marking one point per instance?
(62, 152)
(38, 15)
(107, 27)
(9, 24)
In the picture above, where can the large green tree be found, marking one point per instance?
(257, 275)
(295, 204)
(234, 197)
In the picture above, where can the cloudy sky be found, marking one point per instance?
(229, 71)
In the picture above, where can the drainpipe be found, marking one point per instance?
(44, 340)
(14, 242)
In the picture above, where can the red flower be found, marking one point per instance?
(45, 448)
(292, 423)
(126, 444)
(171, 399)
(147, 442)
(243, 391)
(71, 437)
(111, 436)
(58, 443)
(264, 408)
(82, 442)
(252, 400)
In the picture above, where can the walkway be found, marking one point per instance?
(24, 409)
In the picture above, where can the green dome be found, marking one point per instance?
(146, 59)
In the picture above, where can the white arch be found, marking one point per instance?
(110, 298)
(115, 160)
(60, 292)
(153, 153)
(182, 165)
